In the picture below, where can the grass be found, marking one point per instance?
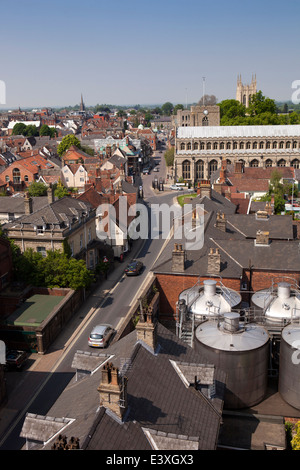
(181, 199)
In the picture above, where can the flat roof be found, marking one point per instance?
(34, 310)
(225, 132)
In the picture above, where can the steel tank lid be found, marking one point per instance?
(245, 338)
(291, 335)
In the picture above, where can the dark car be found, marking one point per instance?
(15, 359)
(134, 268)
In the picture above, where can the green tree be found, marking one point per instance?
(46, 130)
(66, 143)
(37, 189)
(19, 129)
(295, 442)
(177, 107)
(31, 131)
(167, 108)
(60, 190)
(260, 104)
(169, 156)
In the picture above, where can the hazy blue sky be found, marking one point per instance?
(138, 52)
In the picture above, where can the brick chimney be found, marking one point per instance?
(214, 261)
(223, 172)
(268, 208)
(50, 194)
(238, 168)
(146, 329)
(28, 204)
(262, 238)
(178, 259)
(113, 390)
(221, 222)
(205, 188)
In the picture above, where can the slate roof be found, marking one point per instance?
(239, 238)
(161, 408)
(60, 212)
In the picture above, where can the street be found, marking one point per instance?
(36, 390)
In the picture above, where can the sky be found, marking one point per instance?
(136, 52)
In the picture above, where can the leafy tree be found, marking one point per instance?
(37, 189)
(295, 442)
(177, 107)
(260, 104)
(66, 143)
(60, 190)
(19, 129)
(46, 130)
(169, 156)
(31, 131)
(167, 108)
(231, 109)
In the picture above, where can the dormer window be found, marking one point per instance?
(40, 229)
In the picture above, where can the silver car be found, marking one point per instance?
(100, 336)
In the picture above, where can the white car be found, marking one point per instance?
(174, 187)
(100, 336)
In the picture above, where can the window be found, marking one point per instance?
(254, 163)
(294, 144)
(16, 176)
(235, 145)
(189, 146)
(261, 145)
(42, 251)
(182, 146)
(281, 162)
(268, 145)
(228, 146)
(199, 170)
(248, 145)
(295, 163)
(254, 145)
(186, 170)
(215, 145)
(39, 229)
(208, 146)
(222, 146)
(213, 166)
(281, 145)
(274, 146)
(7, 178)
(196, 145)
(26, 178)
(242, 145)
(81, 241)
(288, 145)
(89, 234)
(205, 121)
(268, 163)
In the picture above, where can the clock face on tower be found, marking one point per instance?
(205, 112)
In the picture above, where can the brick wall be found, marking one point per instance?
(170, 286)
(263, 280)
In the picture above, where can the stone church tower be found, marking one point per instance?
(244, 92)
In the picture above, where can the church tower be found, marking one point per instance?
(244, 92)
(82, 107)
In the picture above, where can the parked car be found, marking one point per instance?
(100, 336)
(134, 268)
(174, 187)
(156, 168)
(146, 171)
(15, 359)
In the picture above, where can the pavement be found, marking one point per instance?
(20, 385)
